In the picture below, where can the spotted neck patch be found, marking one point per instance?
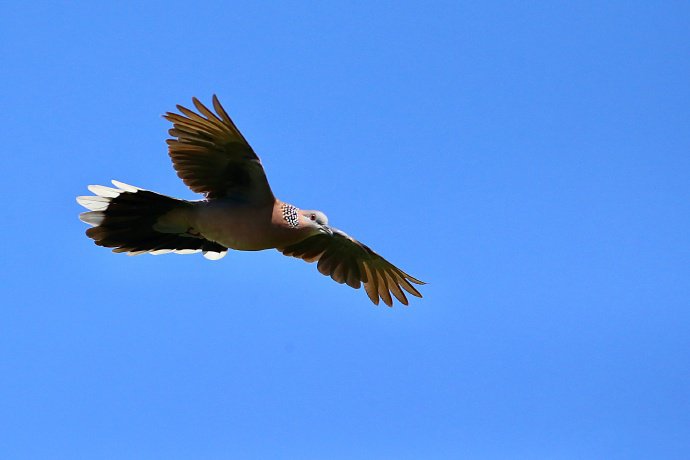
(290, 215)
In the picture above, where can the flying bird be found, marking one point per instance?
(239, 211)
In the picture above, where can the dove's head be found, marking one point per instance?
(315, 220)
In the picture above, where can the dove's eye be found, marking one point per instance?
(313, 217)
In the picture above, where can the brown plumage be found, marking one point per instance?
(348, 261)
(240, 212)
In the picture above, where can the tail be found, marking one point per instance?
(135, 221)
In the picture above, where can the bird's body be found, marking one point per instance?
(240, 211)
(243, 227)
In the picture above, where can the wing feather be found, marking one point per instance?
(371, 287)
(212, 157)
(384, 290)
(394, 286)
(346, 260)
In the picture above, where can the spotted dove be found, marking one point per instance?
(239, 211)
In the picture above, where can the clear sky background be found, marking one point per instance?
(530, 160)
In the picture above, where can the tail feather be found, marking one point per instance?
(136, 221)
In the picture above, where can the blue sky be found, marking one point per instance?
(529, 160)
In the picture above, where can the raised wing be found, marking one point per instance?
(346, 260)
(212, 157)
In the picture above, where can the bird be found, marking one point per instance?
(239, 211)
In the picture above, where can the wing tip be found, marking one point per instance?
(125, 187)
(214, 255)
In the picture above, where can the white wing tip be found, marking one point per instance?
(103, 191)
(94, 203)
(158, 252)
(186, 251)
(102, 195)
(125, 187)
(212, 255)
(93, 218)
